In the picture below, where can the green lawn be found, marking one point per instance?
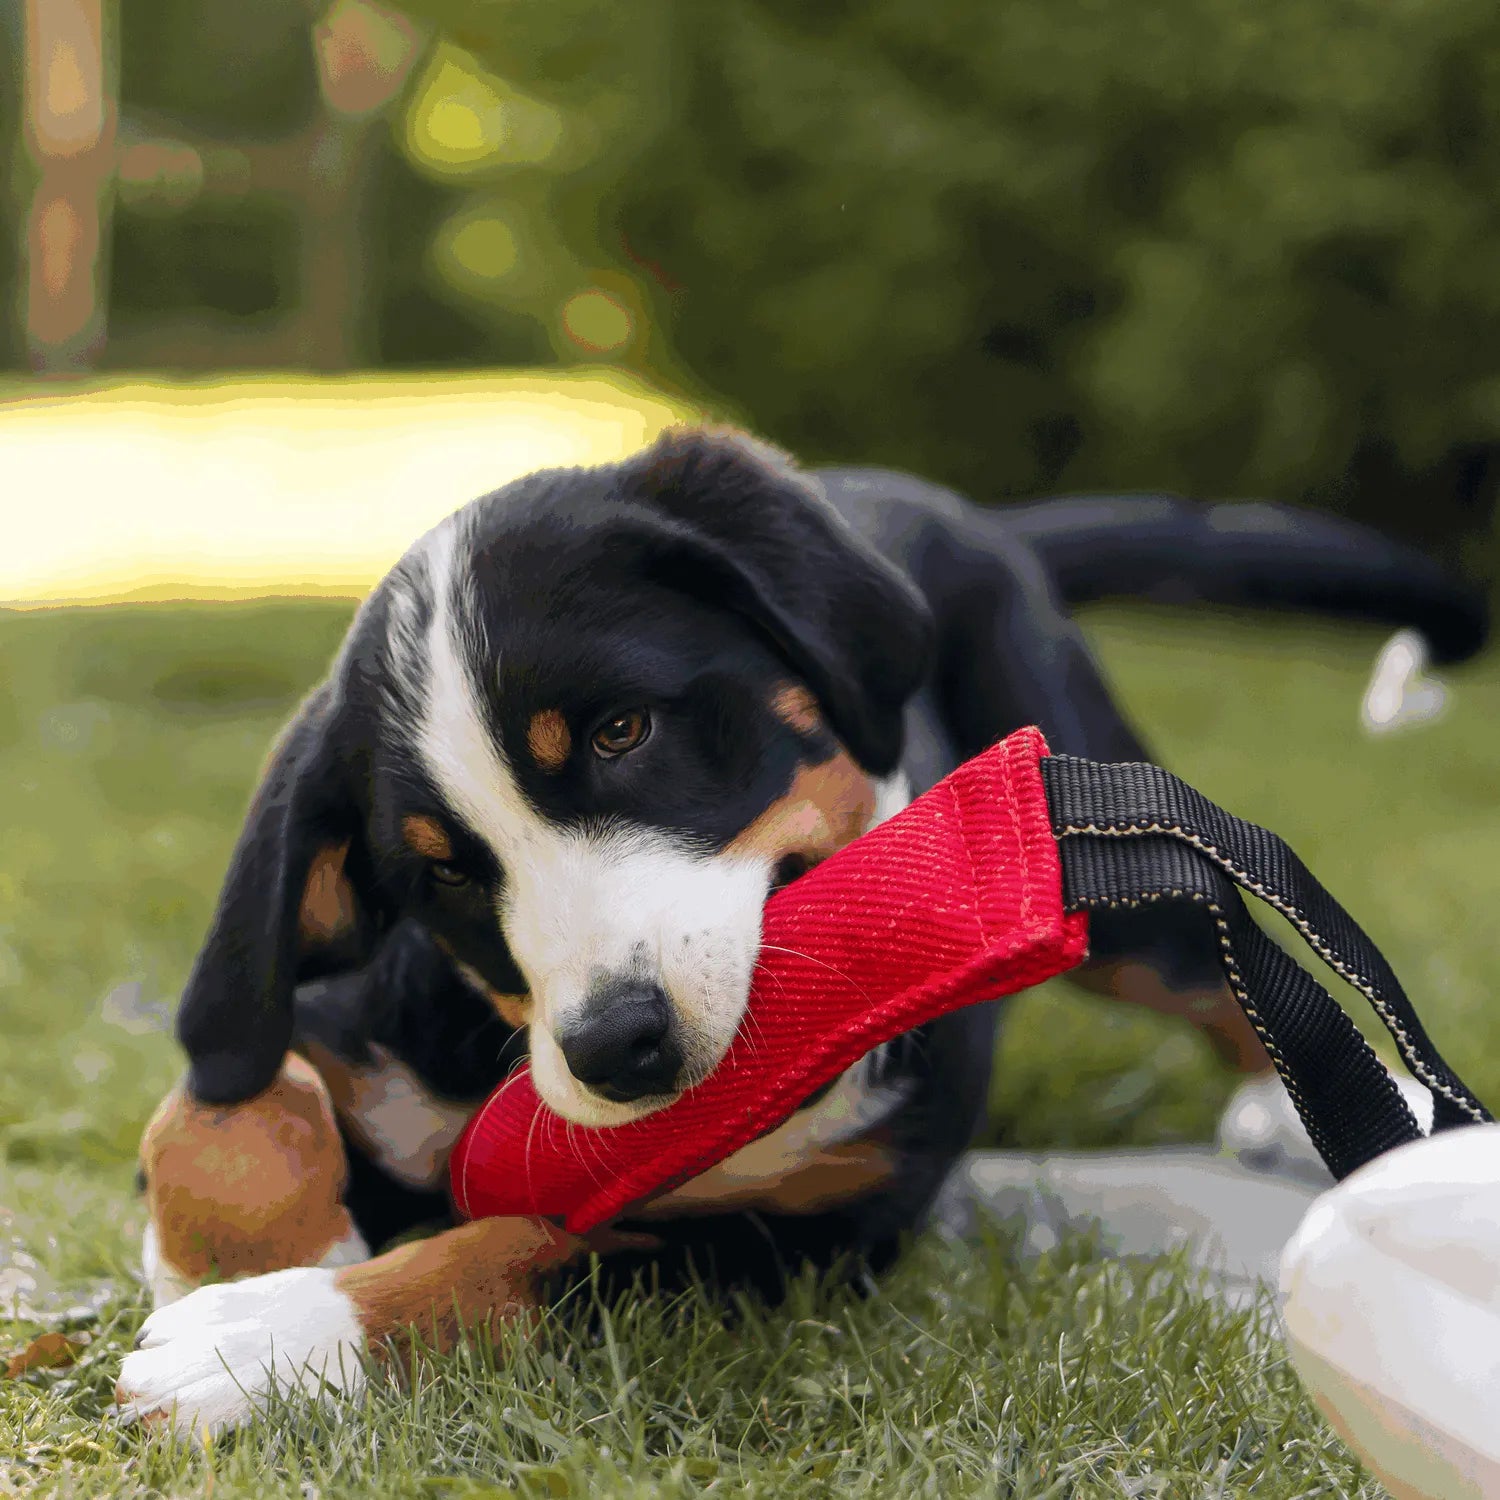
(129, 738)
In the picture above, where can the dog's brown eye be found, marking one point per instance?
(621, 733)
(445, 873)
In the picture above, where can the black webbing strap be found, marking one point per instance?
(1132, 834)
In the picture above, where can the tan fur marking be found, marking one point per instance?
(462, 1278)
(1214, 1011)
(823, 1178)
(327, 899)
(514, 1010)
(794, 705)
(251, 1188)
(548, 740)
(427, 837)
(827, 806)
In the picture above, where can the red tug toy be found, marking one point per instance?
(955, 900)
(978, 889)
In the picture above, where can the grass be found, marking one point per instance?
(129, 738)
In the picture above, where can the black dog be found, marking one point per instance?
(570, 744)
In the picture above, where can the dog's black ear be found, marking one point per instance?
(289, 895)
(747, 530)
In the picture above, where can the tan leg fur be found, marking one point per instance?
(246, 1189)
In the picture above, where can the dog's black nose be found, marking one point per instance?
(623, 1046)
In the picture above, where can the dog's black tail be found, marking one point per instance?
(1157, 547)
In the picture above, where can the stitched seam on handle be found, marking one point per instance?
(976, 905)
(1013, 807)
(1409, 1054)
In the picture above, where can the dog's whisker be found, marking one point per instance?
(597, 1149)
(583, 1143)
(573, 1139)
(570, 1139)
(771, 974)
(512, 1078)
(750, 1024)
(519, 1035)
(833, 969)
(526, 1151)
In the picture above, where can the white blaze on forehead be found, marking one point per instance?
(580, 906)
(453, 739)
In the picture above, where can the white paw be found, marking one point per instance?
(1400, 693)
(209, 1361)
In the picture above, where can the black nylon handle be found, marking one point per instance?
(1131, 833)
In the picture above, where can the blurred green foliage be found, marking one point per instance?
(1223, 246)
(1227, 247)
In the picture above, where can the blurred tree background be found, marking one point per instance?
(1225, 247)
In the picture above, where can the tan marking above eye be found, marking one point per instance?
(327, 908)
(795, 705)
(548, 739)
(827, 806)
(427, 837)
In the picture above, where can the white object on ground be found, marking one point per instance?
(1400, 693)
(206, 1362)
(1391, 1310)
(1261, 1128)
(1233, 1221)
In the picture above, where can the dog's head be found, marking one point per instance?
(580, 732)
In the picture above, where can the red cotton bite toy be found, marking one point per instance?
(955, 900)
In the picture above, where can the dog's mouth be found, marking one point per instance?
(598, 1103)
(789, 868)
(597, 1106)
(639, 1104)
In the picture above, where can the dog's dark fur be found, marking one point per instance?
(776, 627)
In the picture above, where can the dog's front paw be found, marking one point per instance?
(208, 1362)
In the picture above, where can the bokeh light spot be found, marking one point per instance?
(597, 321)
(464, 119)
(458, 117)
(484, 247)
